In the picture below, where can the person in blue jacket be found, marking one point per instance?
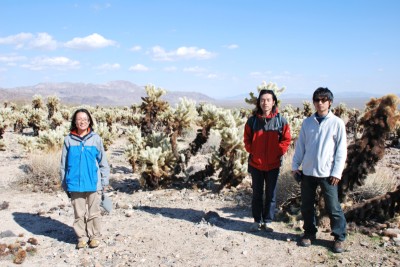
(84, 174)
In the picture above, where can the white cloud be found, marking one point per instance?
(92, 41)
(170, 69)
(232, 46)
(18, 40)
(159, 53)
(195, 69)
(212, 76)
(381, 70)
(135, 48)
(43, 41)
(59, 63)
(139, 67)
(11, 59)
(108, 66)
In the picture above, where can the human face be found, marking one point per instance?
(266, 103)
(82, 122)
(322, 105)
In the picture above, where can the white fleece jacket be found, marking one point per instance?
(321, 149)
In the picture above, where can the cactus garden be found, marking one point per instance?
(183, 168)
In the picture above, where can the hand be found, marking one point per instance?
(296, 172)
(334, 181)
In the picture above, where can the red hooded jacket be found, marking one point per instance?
(264, 142)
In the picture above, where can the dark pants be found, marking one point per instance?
(308, 192)
(264, 212)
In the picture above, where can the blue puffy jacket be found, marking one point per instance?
(84, 166)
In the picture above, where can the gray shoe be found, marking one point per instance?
(338, 246)
(306, 240)
(268, 227)
(255, 226)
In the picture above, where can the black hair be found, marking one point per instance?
(323, 93)
(73, 121)
(263, 92)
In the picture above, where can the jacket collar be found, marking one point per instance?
(271, 115)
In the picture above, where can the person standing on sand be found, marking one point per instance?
(84, 174)
(267, 138)
(321, 149)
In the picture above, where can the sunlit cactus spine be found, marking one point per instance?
(209, 115)
(308, 109)
(53, 106)
(176, 120)
(136, 144)
(151, 107)
(157, 160)
(106, 135)
(37, 102)
(37, 119)
(295, 119)
(265, 86)
(52, 140)
(56, 120)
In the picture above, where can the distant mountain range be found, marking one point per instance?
(124, 93)
(114, 93)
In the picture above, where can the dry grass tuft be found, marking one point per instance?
(287, 186)
(42, 173)
(376, 184)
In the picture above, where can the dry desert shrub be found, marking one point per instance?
(287, 186)
(42, 172)
(376, 184)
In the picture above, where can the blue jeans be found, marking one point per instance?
(308, 192)
(264, 212)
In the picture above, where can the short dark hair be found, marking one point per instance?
(73, 121)
(323, 93)
(263, 92)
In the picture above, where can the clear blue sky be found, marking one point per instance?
(221, 48)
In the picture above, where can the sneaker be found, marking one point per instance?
(81, 244)
(338, 246)
(255, 226)
(94, 243)
(268, 227)
(306, 240)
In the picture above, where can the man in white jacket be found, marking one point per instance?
(321, 149)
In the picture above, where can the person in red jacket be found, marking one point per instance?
(267, 138)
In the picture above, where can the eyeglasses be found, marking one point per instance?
(82, 120)
(323, 100)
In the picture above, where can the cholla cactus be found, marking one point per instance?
(53, 105)
(37, 120)
(341, 111)
(157, 160)
(151, 107)
(178, 119)
(106, 135)
(5, 114)
(381, 117)
(308, 109)
(56, 120)
(51, 140)
(20, 121)
(136, 144)
(37, 102)
(231, 156)
(66, 114)
(28, 143)
(209, 115)
(265, 86)
(294, 119)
